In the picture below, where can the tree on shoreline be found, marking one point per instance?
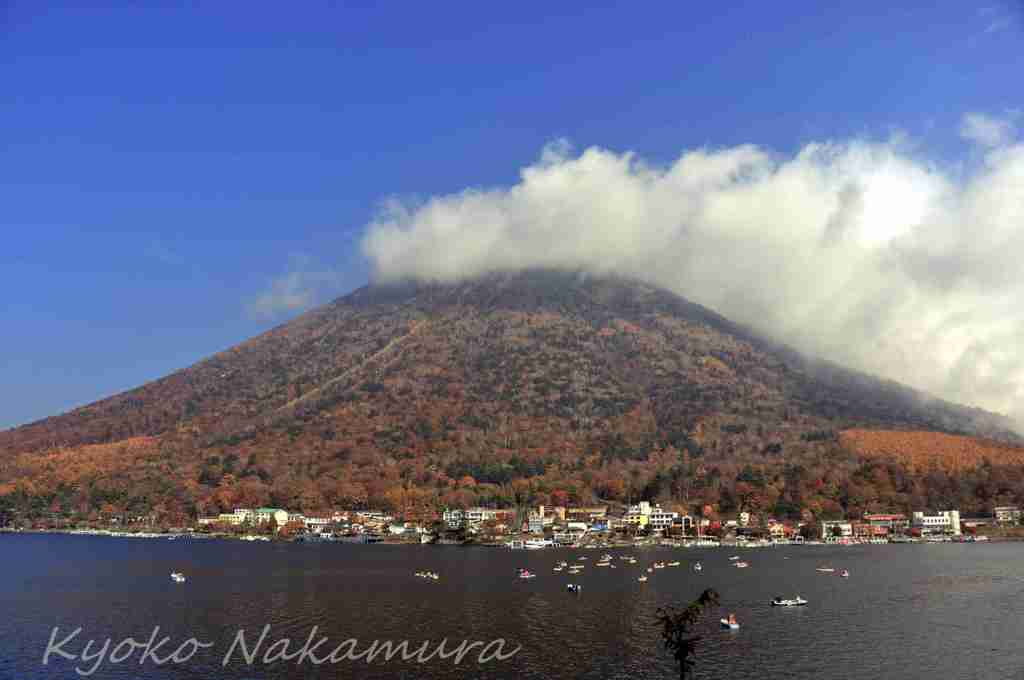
(676, 626)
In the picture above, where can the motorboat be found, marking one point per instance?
(573, 587)
(795, 602)
(673, 564)
(740, 565)
(177, 577)
(698, 567)
(642, 579)
(734, 558)
(825, 570)
(526, 573)
(845, 574)
(730, 623)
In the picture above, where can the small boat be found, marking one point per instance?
(730, 623)
(825, 570)
(659, 565)
(649, 570)
(526, 573)
(672, 564)
(740, 565)
(642, 579)
(574, 587)
(845, 574)
(177, 577)
(734, 558)
(697, 567)
(795, 602)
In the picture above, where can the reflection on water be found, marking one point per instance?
(949, 611)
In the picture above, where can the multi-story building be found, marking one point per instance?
(893, 523)
(1007, 514)
(265, 515)
(831, 530)
(946, 522)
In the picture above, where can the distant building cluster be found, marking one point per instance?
(570, 525)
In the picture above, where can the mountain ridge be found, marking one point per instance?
(493, 389)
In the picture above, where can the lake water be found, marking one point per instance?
(907, 611)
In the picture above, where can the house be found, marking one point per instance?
(945, 522)
(1008, 514)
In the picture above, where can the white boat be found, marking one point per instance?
(538, 543)
(731, 625)
(526, 573)
(740, 565)
(825, 570)
(734, 558)
(845, 574)
(642, 579)
(177, 577)
(795, 602)
(672, 564)
(697, 567)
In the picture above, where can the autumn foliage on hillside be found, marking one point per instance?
(923, 451)
(508, 390)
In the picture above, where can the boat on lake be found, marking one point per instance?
(795, 602)
(730, 622)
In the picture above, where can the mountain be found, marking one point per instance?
(505, 389)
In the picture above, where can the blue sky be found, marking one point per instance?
(174, 181)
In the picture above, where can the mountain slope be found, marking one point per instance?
(505, 388)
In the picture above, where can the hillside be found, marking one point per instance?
(538, 386)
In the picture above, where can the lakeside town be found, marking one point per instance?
(559, 526)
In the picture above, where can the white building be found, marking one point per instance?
(453, 517)
(264, 515)
(644, 514)
(1008, 514)
(946, 522)
(661, 519)
(836, 530)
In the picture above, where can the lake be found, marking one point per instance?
(907, 611)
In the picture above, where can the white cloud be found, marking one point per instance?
(987, 131)
(297, 290)
(863, 252)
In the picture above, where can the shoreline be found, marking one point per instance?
(357, 540)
